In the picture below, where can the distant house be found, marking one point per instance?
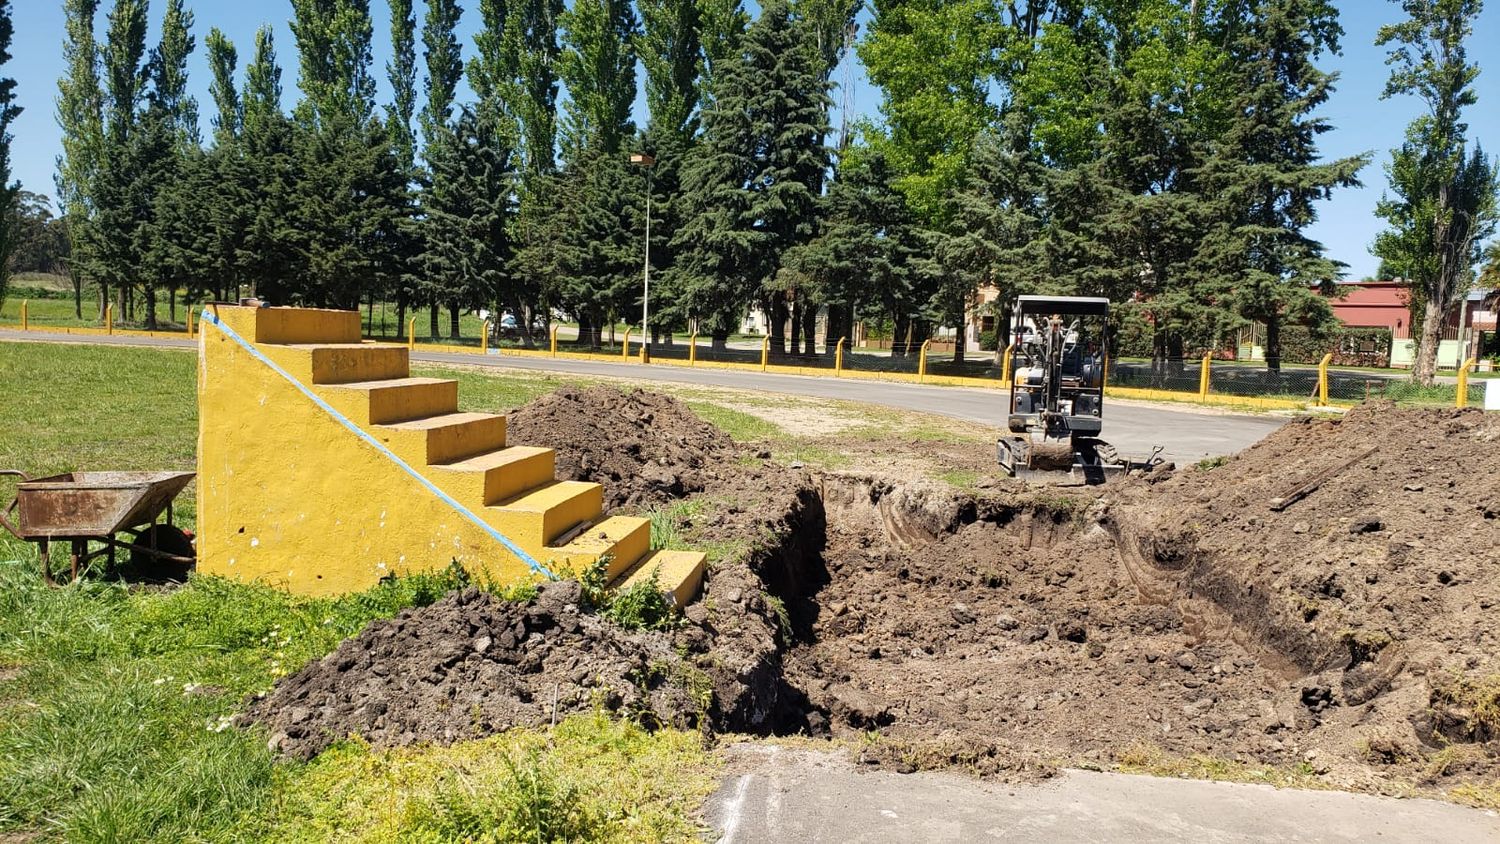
(1387, 305)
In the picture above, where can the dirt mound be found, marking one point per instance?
(645, 448)
(471, 665)
(1345, 636)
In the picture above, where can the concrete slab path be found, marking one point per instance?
(776, 794)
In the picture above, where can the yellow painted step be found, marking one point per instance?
(626, 539)
(536, 518)
(496, 476)
(678, 573)
(445, 438)
(345, 363)
(395, 400)
(291, 325)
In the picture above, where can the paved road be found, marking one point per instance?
(776, 794)
(1134, 428)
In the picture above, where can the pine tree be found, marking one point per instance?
(1263, 178)
(80, 114)
(264, 181)
(752, 190)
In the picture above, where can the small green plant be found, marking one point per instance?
(641, 606)
(783, 617)
(1208, 464)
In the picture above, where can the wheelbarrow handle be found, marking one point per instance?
(11, 507)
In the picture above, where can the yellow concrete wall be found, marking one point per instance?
(289, 496)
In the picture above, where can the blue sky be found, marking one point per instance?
(1347, 225)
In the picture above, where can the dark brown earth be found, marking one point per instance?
(1349, 637)
(645, 448)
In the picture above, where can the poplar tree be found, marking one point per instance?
(440, 52)
(402, 73)
(1445, 194)
(80, 114)
(228, 111)
(117, 190)
(444, 63)
(10, 192)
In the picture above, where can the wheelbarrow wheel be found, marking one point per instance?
(168, 539)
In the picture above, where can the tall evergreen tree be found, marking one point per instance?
(168, 73)
(1263, 177)
(751, 192)
(118, 202)
(80, 114)
(266, 179)
(1445, 196)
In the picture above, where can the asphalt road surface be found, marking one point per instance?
(1134, 428)
(775, 794)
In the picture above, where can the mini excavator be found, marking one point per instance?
(1057, 391)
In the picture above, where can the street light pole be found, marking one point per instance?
(643, 160)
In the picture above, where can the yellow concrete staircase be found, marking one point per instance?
(391, 418)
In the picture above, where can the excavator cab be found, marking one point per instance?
(1056, 411)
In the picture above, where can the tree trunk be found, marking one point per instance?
(1175, 353)
(1273, 343)
(432, 320)
(77, 279)
(810, 330)
(103, 299)
(172, 305)
(777, 328)
(1424, 368)
(400, 320)
(523, 321)
(370, 315)
(148, 296)
(900, 329)
(721, 340)
(453, 332)
(796, 338)
(834, 330)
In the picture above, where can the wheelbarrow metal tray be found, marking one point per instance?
(82, 504)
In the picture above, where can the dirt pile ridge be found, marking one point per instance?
(645, 448)
(1347, 636)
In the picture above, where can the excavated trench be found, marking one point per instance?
(1035, 621)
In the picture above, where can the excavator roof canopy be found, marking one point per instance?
(1082, 305)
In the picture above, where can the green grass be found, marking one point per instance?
(115, 701)
(485, 390)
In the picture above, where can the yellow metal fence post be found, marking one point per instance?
(554, 340)
(25, 324)
(190, 324)
(1323, 379)
(838, 357)
(1203, 378)
(484, 337)
(693, 349)
(625, 347)
(1462, 396)
(765, 352)
(1005, 366)
(411, 334)
(109, 319)
(922, 361)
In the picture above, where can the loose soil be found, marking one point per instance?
(1170, 615)
(645, 448)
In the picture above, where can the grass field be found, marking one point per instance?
(114, 701)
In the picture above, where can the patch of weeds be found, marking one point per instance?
(590, 778)
(1478, 698)
(1208, 464)
(668, 523)
(783, 617)
(964, 479)
(520, 592)
(1478, 795)
(741, 427)
(1151, 760)
(641, 606)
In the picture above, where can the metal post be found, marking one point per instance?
(1203, 378)
(765, 352)
(25, 323)
(693, 348)
(109, 319)
(554, 340)
(1462, 396)
(1005, 366)
(484, 338)
(411, 334)
(922, 361)
(838, 357)
(646, 281)
(1323, 379)
(190, 324)
(625, 346)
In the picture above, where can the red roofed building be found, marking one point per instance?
(1386, 304)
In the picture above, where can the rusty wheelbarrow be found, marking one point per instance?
(84, 507)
